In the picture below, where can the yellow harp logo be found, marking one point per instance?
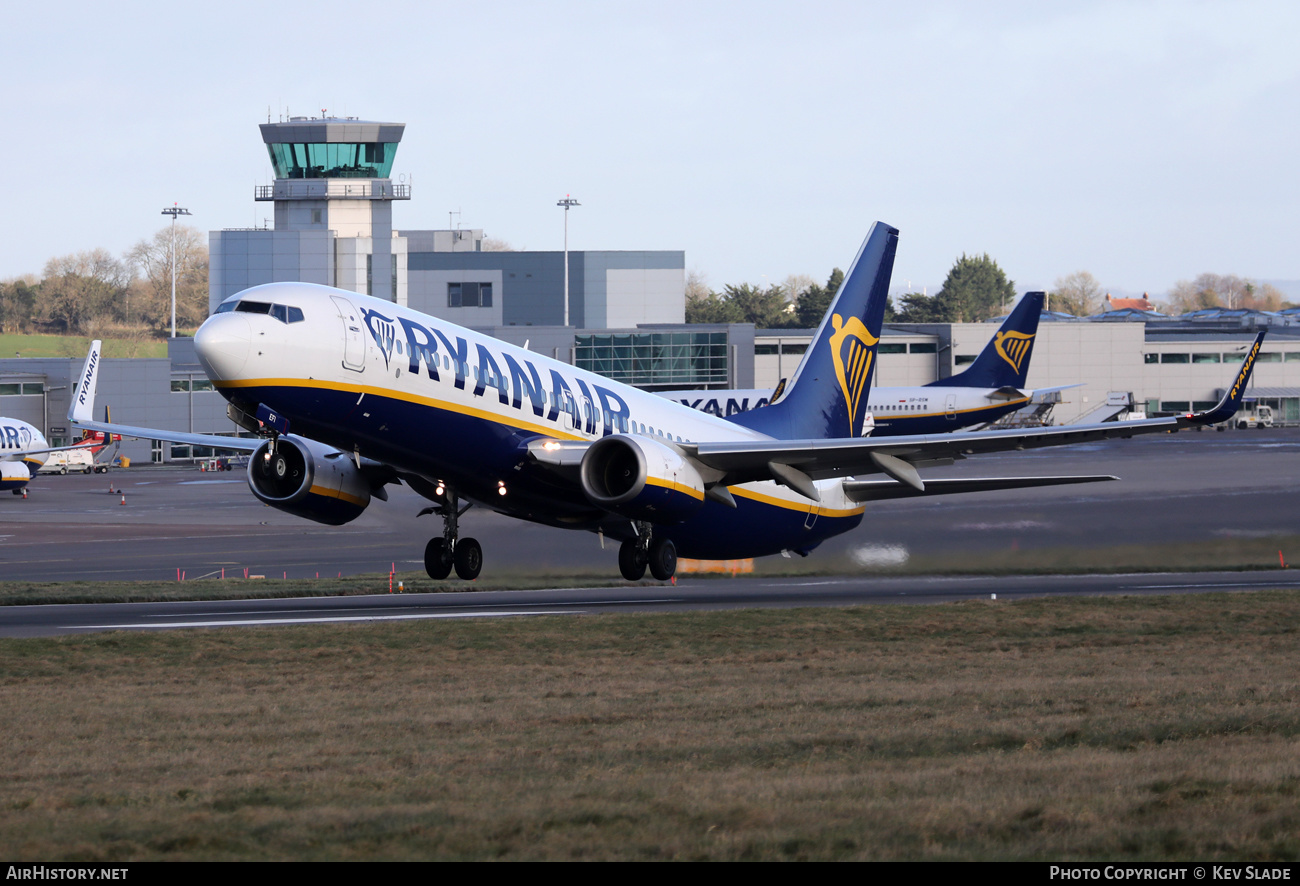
(852, 346)
(1013, 346)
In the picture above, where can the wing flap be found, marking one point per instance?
(879, 490)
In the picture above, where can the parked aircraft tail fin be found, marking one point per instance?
(1004, 362)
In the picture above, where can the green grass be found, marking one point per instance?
(77, 345)
(1118, 728)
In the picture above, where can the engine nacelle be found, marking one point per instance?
(641, 478)
(308, 479)
(13, 475)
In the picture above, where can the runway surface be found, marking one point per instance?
(1187, 487)
(689, 594)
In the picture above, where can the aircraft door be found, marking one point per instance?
(354, 343)
(950, 407)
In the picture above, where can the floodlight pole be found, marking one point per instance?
(566, 203)
(174, 211)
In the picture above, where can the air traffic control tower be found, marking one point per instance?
(333, 199)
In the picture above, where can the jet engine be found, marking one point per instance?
(642, 479)
(13, 475)
(308, 479)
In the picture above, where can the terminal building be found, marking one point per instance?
(333, 198)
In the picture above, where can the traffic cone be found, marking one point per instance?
(123, 498)
(24, 493)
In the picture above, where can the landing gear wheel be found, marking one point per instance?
(469, 558)
(631, 561)
(437, 559)
(663, 558)
(279, 466)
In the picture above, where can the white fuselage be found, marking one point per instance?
(431, 398)
(22, 452)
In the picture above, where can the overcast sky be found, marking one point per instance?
(1144, 142)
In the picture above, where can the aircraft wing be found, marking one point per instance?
(216, 441)
(82, 444)
(796, 463)
(83, 407)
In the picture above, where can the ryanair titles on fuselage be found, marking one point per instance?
(431, 348)
(17, 437)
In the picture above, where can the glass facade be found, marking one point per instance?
(354, 160)
(664, 360)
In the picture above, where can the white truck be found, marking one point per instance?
(72, 460)
(1262, 417)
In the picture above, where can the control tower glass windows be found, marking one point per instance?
(334, 160)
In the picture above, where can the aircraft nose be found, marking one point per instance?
(222, 344)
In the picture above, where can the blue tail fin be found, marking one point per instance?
(827, 395)
(1004, 362)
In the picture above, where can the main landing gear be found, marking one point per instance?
(449, 550)
(635, 554)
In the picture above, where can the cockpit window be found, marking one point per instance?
(283, 313)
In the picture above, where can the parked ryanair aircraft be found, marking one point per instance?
(353, 393)
(23, 450)
(991, 387)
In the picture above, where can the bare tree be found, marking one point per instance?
(697, 285)
(492, 244)
(1078, 294)
(18, 303)
(796, 285)
(150, 302)
(80, 287)
(1224, 291)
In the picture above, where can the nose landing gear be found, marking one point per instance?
(449, 551)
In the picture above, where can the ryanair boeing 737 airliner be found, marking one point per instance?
(351, 393)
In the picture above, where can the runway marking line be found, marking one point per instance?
(298, 621)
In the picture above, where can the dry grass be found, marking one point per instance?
(1115, 728)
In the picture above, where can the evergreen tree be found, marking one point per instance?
(815, 300)
(975, 289)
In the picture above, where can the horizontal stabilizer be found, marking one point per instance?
(1007, 392)
(877, 490)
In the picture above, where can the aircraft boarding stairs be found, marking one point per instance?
(1117, 403)
(1036, 414)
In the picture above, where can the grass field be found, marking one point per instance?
(77, 345)
(1106, 728)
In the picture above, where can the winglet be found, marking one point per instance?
(83, 405)
(1231, 401)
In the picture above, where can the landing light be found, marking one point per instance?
(501, 487)
(551, 445)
